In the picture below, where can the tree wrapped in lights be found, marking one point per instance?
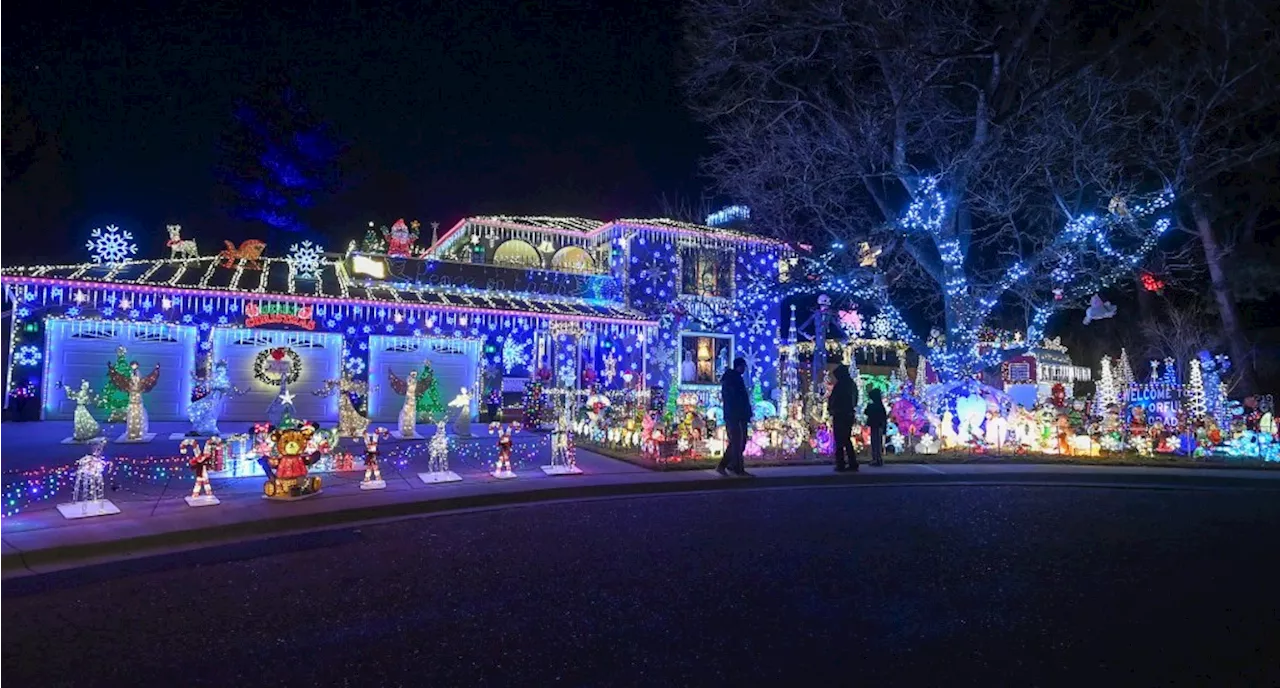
(1107, 393)
(1194, 391)
(990, 188)
(430, 407)
(113, 400)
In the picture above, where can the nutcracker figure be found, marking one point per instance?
(202, 461)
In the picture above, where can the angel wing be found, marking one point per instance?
(400, 386)
(149, 382)
(121, 382)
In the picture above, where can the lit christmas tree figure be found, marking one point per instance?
(1108, 395)
(83, 428)
(409, 411)
(113, 400)
(430, 407)
(372, 471)
(1195, 391)
(136, 415)
(88, 492)
(502, 469)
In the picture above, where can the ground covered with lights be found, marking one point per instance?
(998, 584)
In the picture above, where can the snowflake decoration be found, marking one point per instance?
(111, 245)
(27, 356)
(514, 354)
(881, 327)
(654, 272)
(305, 258)
(851, 321)
(355, 365)
(756, 322)
(661, 355)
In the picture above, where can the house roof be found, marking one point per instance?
(278, 280)
(576, 224)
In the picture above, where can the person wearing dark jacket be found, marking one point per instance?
(842, 405)
(878, 421)
(737, 417)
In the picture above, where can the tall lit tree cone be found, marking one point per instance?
(135, 385)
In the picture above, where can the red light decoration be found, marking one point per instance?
(1152, 283)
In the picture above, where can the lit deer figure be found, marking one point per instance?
(179, 247)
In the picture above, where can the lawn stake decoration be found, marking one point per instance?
(202, 462)
(372, 472)
(502, 469)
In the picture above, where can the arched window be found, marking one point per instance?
(573, 259)
(518, 253)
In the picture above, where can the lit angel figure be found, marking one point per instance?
(350, 422)
(205, 410)
(409, 411)
(462, 402)
(84, 428)
(135, 385)
(372, 470)
(502, 470)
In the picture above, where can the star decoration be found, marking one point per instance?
(287, 398)
(415, 225)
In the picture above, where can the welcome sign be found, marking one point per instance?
(257, 314)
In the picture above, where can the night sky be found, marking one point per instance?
(522, 108)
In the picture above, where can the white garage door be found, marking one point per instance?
(81, 349)
(321, 357)
(453, 360)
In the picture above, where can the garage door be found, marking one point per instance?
(453, 360)
(81, 349)
(320, 358)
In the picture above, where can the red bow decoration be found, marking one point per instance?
(277, 354)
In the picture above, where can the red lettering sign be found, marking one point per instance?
(256, 315)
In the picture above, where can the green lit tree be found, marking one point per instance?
(113, 400)
(430, 407)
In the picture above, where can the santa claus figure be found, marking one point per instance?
(401, 238)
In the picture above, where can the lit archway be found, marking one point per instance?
(518, 253)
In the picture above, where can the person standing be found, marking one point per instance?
(878, 421)
(842, 405)
(737, 417)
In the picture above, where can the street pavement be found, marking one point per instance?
(844, 584)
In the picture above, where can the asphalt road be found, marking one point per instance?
(943, 585)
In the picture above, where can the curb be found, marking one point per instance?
(73, 556)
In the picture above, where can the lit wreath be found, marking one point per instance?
(261, 374)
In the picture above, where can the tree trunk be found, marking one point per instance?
(1241, 354)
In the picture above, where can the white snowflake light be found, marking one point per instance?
(27, 356)
(881, 327)
(355, 365)
(110, 245)
(305, 258)
(514, 354)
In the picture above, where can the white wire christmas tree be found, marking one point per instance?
(1194, 391)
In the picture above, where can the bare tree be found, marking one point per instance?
(987, 156)
(1216, 109)
(684, 208)
(1181, 333)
